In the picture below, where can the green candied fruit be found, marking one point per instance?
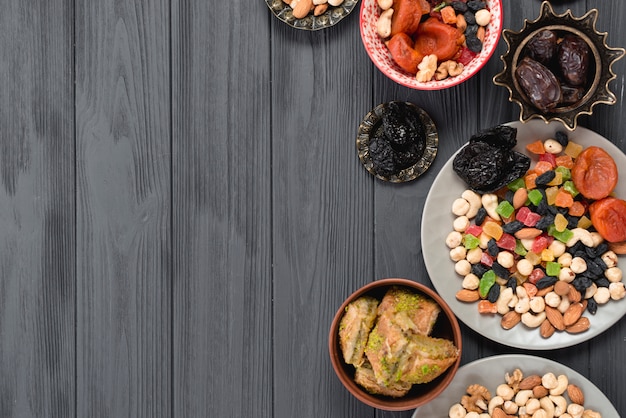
(486, 281)
(516, 184)
(562, 236)
(505, 209)
(519, 248)
(568, 186)
(566, 173)
(553, 268)
(535, 196)
(470, 241)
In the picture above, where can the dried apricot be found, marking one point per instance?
(435, 37)
(594, 173)
(402, 52)
(407, 15)
(608, 216)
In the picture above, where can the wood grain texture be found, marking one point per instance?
(124, 345)
(37, 224)
(222, 201)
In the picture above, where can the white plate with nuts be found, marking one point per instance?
(311, 14)
(491, 374)
(437, 223)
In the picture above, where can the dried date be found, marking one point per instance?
(543, 46)
(539, 84)
(573, 56)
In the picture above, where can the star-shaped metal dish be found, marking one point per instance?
(601, 62)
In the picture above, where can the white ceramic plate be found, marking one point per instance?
(490, 372)
(437, 223)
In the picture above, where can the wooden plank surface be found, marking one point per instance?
(37, 211)
(123, 239)
(182, 208)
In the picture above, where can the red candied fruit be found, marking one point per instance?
(507, 242)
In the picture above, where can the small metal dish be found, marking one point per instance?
(601, 72)
(327, 19)
(371, 123)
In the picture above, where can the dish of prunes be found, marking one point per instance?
(558, 66)
(488, 161)
(397, 141)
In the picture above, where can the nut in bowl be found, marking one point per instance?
(395, 344)
(569, 57)
(430, 45)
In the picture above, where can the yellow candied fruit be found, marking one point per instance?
(533, 257)
(573, 149)
(584, 222)
(547, 255)
(551, 193)
(560, 222)
(493, 230)
(557, 180)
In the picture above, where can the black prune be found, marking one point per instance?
(383, 159)
(543, 46)
(539, 84)
(401, 126)
(573, 56)
(499, 136)
(408, 156)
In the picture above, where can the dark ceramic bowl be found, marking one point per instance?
(446, 327)
(602, 57)
(330, 17)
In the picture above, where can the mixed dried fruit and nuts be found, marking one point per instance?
(302, 8)
(554, 69)
(539, 246)
(389, 342)
(533, 396)
(433, 39)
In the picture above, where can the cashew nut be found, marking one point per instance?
(549, 381)
(474, 200)
(523, 396)
(532, 406)
(540, 413)
(591, 414)
(383, 25)
(335, 3)
(561, 385)
(495, 402)
(575, 410)
(547, 405)
(490, 203)
(522, 306)
(537, 304)
(560, 405)
(384, 4)
(472, 414)
(597, 238)
(502, 304)
(504, 392)
(582, 235)
(318, 2)
(533, 320)
(510, 407)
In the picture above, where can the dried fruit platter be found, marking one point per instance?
(436, 222)
(490, 372)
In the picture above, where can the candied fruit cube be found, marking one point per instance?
(551, 193)
(505, 209)
(533, 257)
(535, 197)
(553, 268)
(557, 180)
(547, 255)
(560, 222)
(516, 184)
(573, 149)
(584, 222)
(493, 230)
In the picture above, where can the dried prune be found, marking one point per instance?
(543, 46)
(382, 155)
(539, 83)
(488, 162)
(573, 57)
(401, 125)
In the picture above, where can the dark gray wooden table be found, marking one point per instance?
(182, 209)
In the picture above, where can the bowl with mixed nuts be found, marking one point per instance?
(558, 67)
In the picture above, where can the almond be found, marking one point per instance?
(528, 233)
(320, 9)
(555, 317)
(573, 313)
(466, 295)
(579, 326)
(510, 319)
(546, 329)
(540, 391)
(302, 8)
(561, 288)
(573, 295)
(530, 382)
(499, 413)
(545, 291)
(575, 394)
(519, 198)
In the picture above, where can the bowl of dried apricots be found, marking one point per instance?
(430, 44)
